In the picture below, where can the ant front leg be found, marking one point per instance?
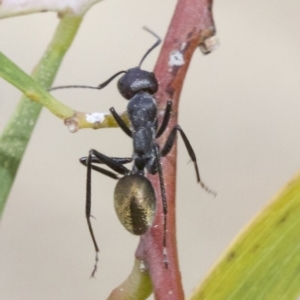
(120, 122)
(169, 144)
(116, 164)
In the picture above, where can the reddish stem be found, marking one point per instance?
(191, 25)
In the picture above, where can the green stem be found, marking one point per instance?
(16, 134)
(36, 92)
(137, 286)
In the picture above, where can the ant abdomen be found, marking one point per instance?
(135, 203)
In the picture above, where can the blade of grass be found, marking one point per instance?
(264, 261)
(16, 134)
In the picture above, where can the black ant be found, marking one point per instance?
(134, 196)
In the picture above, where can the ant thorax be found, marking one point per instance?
(142, 111)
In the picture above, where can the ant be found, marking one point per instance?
(134, 196)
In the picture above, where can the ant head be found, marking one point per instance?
(136, 80)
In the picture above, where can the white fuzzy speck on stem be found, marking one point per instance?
(176, 59)
(143, 267)
(95, 117)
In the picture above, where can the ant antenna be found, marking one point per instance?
(154, 46)
(72, 87)
(105, 83)
(99, 87)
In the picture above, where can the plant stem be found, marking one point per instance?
(34, 91)
(136, 286)
(188, 28)
(16, 134)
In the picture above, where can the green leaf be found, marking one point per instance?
(264, 261)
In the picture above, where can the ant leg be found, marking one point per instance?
(120, 122)
(169, 144)
(164, 203)
(88, 209)
(95, 156)
(113, 163)
(95, 160)
(165, 121)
